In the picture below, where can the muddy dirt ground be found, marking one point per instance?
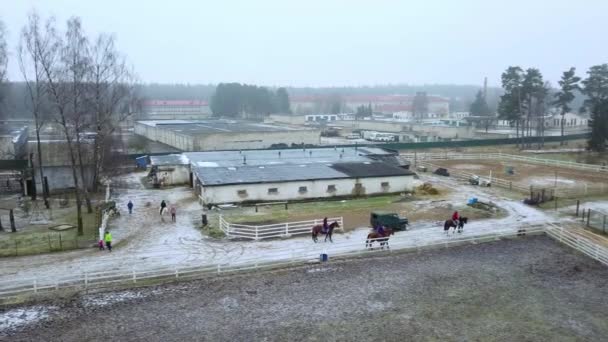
(529, 289)
(528, 174)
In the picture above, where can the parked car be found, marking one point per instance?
(442, 172)
(388, 220)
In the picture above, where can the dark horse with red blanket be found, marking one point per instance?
(318, 229)
(452, 224)
(381, 238)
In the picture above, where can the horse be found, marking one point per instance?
(318, 229)
(382, 239)
(451, 224)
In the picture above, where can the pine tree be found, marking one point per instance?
(510, 105)
(595, 87)
(568, 84)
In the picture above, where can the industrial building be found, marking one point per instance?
(386, 104)
(286, 174)
(175, 110)
(210, 135)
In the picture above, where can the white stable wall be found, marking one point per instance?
(174, 174)
(315, 189)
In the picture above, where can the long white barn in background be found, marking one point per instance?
(287, 174)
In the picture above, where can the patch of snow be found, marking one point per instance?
(550, 181)
(469, 166)
(184, 159)
(561, 150)
(205, 164)
(18, 317)
(114, 297)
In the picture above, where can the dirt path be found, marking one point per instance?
(529, 289)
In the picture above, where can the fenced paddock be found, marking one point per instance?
(565, 179)
(269, 231)
(21, 288)
(84, 280)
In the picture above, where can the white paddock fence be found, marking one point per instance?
(426, 156)
(19, 287)
(278, 230)
(580, 243)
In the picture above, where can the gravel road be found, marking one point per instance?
(528, 289)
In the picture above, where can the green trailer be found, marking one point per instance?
(388, 220)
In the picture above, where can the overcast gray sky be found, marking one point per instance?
(336, 42)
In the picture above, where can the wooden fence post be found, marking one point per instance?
(11, 217)
(578, 203)
(604, 225)
(583, 215)
(555, 202)
(1, 228)
(588, 216)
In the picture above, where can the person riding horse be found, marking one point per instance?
(456, 218)
(325, 226)
(379, 229)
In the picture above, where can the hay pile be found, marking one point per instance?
(427, 189)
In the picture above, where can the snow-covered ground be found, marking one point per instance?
(144, 242)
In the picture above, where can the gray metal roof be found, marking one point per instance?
(250, 174)
(284, 156)
(196, 127)
(12, 131)
(170, 159)
(378, 169)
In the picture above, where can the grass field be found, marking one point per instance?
(356, 211)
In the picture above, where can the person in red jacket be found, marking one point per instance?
(455, 217)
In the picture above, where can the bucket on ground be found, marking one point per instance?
(323, 257)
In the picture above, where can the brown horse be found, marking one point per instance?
(382, 239)
(318, 229)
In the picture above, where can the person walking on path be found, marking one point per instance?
(163, 205)
(130, 206)
(172, 211)
(108, 239)
(100, 244)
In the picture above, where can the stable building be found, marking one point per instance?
(285, 174)
(299, 182)
(220, 134)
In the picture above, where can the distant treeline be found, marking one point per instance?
(461, 96)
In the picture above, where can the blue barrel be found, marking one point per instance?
(141, 162)
(323, 257)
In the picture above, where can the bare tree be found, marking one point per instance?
(75, 61)
(3, 64)
(35, 44)
(60, 94)
(112, 97)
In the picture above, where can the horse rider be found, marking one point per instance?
(456, 218)
(325, 226)
(380, 230)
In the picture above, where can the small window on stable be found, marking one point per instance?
(384, 184)
(273, 191)
(331, 188)
(302, 189)
(241, 192)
